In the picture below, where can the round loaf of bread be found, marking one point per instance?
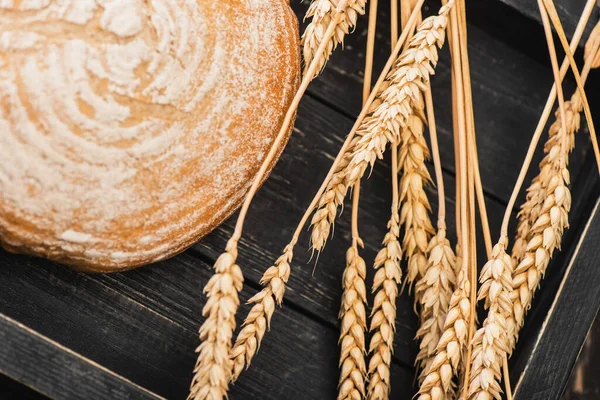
(130, 128)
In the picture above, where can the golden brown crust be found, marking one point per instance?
(108, 167)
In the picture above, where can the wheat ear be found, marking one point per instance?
(394, 105)
(526, 274)
(354, 322)
(213, 368)
(451, 347)
(536, 192)
(259, 318)
(414, 215)
(490, 342)
(434, 289)
(383, 316)
(321, 13)
(553, 201)
(353, 313)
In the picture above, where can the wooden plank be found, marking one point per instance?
(150, 338)
(56, 371)
(568, 10)
(583, 193)
(563, 333)
(583, 382)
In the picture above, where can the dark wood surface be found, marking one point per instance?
(133, 334)
(584, 383)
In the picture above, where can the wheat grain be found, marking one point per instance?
(394, 106)
(554, 202)
(321, 13)
(259, 318)
(353, 317)
(490, 343)
(434, 289)
(383, 316)
(213, 368)
(437, 382)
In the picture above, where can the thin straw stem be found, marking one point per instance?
(458, 173)
(368, 76)
(509, 395)
(475, 187)
(289, 116)
(355, 198)
(394, 21)
(435, 153)
(462, 145)
(555, 70)
(370, 50)
(394, 147)
(487, 237)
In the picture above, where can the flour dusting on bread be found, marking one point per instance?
(129, 128)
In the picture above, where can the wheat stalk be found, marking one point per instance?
(394, 106)
(321, 13)
(434, 289)
(490, 343)
(259, 318)
(213, 368)
(451, 347)
(383, 316)
(553, 201)
(353, 317)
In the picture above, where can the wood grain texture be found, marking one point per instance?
(54, 370)
(569, 11)
(585, 191)
(583, 383)
(142, 324)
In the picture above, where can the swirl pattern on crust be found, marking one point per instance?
(130, 128)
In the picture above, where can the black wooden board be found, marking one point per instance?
(568, 11)
(142, 326)
(558, 343)
(134, 333)
(587, 190)
(40, 362)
